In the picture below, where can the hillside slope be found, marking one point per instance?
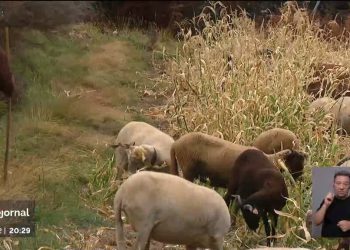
(80, 87)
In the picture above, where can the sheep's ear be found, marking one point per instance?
(237, 199)
(251, 209)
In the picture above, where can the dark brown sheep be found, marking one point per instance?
(259, 189)
(295, 163)
(6, 78)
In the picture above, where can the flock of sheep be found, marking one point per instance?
(174, 210)
(166, 205)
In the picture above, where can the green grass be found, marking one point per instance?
(51, 130)
(62, 206)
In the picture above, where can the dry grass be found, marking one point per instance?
(109, 56)
(239, 99)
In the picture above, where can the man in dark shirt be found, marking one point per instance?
(334, 211)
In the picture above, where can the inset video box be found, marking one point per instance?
(330, 202)
(17, 218)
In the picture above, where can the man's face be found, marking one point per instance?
(341, 186)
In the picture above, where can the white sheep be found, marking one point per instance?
(172, 210)
(341, 112)
(338, 109)
(321, 104)
(345, 162)
(139, 144)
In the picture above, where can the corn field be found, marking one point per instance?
(235, 80)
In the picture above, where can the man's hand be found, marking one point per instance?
(329, 199)
(344, 225)
(319, 215)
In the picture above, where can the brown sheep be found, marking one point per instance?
(171, 210)
(334, 29)
(320, 84)
(275, 140)
(259, 188)
(201, 155)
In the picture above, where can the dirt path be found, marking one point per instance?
(109, 56)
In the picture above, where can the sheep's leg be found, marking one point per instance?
(274, 221)
(143, 237)
(121, 161)
(148, 243)
(235, 213)
(232, 188)
(267, 227)
(218, 243)
(189, 173)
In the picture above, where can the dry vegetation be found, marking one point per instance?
(224, 83)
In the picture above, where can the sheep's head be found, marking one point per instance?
(293, 159)
(137, 153)
(295, 163)
(250, 213)
(141, 156)
(243, 206)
